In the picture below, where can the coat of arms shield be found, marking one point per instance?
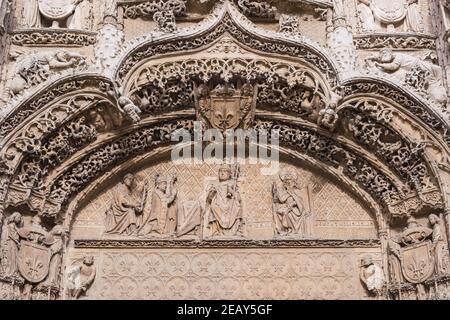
(225, 112)
(56, 9)
(34, 261)
(417, 262)
(388, 11)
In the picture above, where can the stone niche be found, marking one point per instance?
(322, 265)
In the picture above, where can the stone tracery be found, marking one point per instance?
(59, 139)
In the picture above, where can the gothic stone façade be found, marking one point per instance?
(92, 207)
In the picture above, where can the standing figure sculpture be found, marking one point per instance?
(292, 212)
(224, 204)
(80, 15)
(56, 243)
(80, 278)
(439, 246)
(10, 243)
(414, 21)
(164, 207)
(124, 216)
(31, 15)
(366, 16)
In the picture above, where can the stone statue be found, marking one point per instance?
(32, 69)
(410, 69)
(10, 243)
(439, 246)
(56, 243)
(164, 207)
(130, 109)
(394, 258)
(291, 206)
(366, 16)
(31, 15)
(224, 205)
(124, 216)
(372, 276)
(414, 21)
(80, 16)
(80, 277)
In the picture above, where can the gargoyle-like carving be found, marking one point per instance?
(292, 209)
(224, 204)
(420, 74)
(35, 68)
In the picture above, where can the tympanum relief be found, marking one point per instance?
(218, 202)
(93, 207)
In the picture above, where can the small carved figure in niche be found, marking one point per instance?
(423, 75)
(36, 67)
(414, 21)
(80, 278)
(311, 104)
(328, 116)
(130, 109)
(439, 246)
(124, 216)
(366, 16)
(372, 276)
(224, 204)
(103, 121)
(291, 206)
(56, 243)
(10, 244)
(164, 209)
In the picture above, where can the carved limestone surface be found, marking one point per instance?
(36, 67)
(377, 14)
(72, 14)
(331, 182)
(420, 74)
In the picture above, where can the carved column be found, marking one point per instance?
(110, 37)
(340, 39)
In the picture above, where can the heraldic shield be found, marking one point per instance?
(389, 11)
(56, 9)
(225, 112)
(34, 261)
(417, 262)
